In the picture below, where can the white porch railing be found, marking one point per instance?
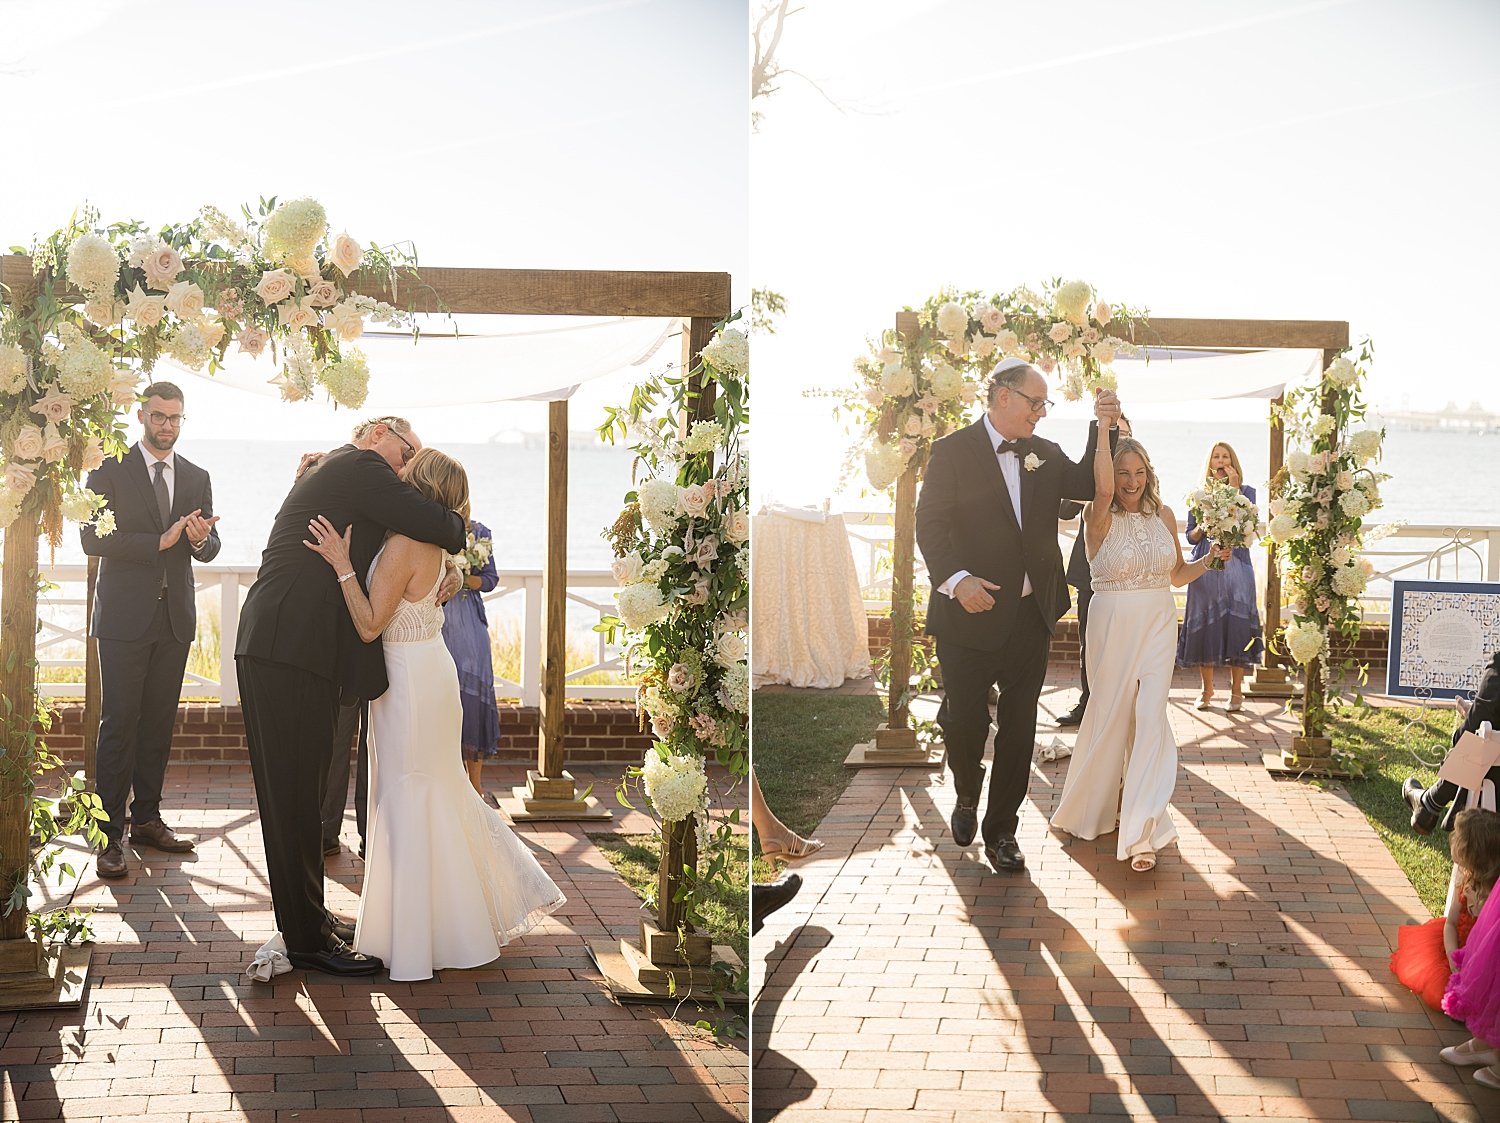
(63, 625)
(1425, 552)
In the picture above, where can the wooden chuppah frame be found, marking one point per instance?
(1272, 678)
(701, 299)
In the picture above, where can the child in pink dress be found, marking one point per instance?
(1473, 991)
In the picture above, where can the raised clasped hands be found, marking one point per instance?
(328, 542)
(1107, 407)
(196, 526)
(974, 594)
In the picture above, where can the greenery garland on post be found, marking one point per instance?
(103, 304)
(1319, 503)
(682, 558)
(919, 387)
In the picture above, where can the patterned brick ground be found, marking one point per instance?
(1246, 977)
(173, 1032)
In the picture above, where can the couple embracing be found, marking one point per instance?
(987, 529)
(347, 608)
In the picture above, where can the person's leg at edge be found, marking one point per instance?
(165, 660)
(1207, 674)
(964, 714)
(475, 770)
(1020, 681)
(362, 776)
(290, 717)
(337, 797)
(122, 676)
(776, 838)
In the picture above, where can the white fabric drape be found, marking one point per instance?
(546, 363)
(807, 615)
(1190, 376)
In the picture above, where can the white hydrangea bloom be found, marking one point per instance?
(883, 465)
(896, 380)
(93, 264)
(294, 228)
(658, 500)
(1349, 580)
(1305, 641)
(676, 786)
(729, 353)
(641, 605)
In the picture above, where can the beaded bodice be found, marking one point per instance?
(414, 621)
(1137, 553)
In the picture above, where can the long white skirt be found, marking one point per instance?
(447, 882)
(1124, 766)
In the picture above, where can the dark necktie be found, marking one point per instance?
(163, 503)
(1019, 447)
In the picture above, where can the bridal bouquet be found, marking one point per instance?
(476, 553)
(1224, 515)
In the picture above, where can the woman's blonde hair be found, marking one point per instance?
(440, 478)
(1234, 458)
(1151, 497)
(1475, 848)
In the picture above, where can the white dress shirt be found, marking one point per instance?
(169, 472)
(1010, 468)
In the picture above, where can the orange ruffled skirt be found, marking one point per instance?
(1420, 960)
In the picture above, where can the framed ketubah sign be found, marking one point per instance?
(1443, 634)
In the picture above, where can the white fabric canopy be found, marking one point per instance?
(546, 364)
(1190, 376)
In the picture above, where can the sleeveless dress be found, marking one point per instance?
(1124, 765)
(447, 882)
(1473, 993)
(1221, 624)
(1420, 960)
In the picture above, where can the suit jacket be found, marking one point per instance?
(1080, 576)
(130, 572)
(965, 521)
(295, 611)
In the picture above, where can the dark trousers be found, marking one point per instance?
(1017, 671)
(352, 718)
(1084, 597)
(290, 716)
(1486, 707)
(141, 682)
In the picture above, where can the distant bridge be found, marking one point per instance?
(1450, 418)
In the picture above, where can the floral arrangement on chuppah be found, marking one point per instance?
(1319, 502)
(103, 304)
(682, 558)
(914, 391)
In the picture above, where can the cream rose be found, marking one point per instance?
(185, 299)
(252, 341)
(211, 330)
(627, 570)
(53, 405)
(146, 311)
(20, 477)
(693, 501)
(913, 427)
(275, 286)
(106, 312)
(345, 254)
(27, 444)
(344, 321)
(1102, 313)
(991, 317)
(54, 445)
(1060, 332)
(322, 294)
(162, 265)
(729, 650)
(1007, 341)
(93, 454)
(737, 527)
(297, 316)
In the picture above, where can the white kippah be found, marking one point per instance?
(1009, 364)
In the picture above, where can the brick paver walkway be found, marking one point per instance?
(1246, 977)
(173, 1032)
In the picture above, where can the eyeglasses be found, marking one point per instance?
(1037, 404)
(175, 420)
(410, 448)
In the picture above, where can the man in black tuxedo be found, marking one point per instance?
(145, 618)
(299, 655)
(987, 529)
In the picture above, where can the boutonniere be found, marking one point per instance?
(1033, 462)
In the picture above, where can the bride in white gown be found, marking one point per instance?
(447, 882)
(1124, 766)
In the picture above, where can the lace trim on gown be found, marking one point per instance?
(1137, 553)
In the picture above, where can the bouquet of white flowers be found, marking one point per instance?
(476, 553)
(1223, 514)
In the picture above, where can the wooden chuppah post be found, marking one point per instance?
(1271, 678)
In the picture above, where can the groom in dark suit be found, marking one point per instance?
(298, 654)
(987, 529)
(145, 618)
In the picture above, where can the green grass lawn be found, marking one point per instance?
(635, 857)
(800, 744)
(1380, 737)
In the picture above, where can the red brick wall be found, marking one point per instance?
(595, 732)
(1370, 648)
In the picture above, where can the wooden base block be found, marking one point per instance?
(67, 972)
(1273, 682)
(895, 738)
(869, 755)
(19, 959)
(1283, 763)
(662, 948)
(521, 808)
(636, 979)
(553, 788)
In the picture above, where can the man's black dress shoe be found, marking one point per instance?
(1423, 820)
(1005, 856)
(965, 824)
(768, 896)
(331, 848)
(340, 959)
(112, 862)
(1075, 715)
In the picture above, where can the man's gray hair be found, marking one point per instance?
(1012, 378)
(394, 424)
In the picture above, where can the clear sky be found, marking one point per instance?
(1266, 159)
(507, 133)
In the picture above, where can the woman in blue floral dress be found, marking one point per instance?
(466, 631)
(1221, 625)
